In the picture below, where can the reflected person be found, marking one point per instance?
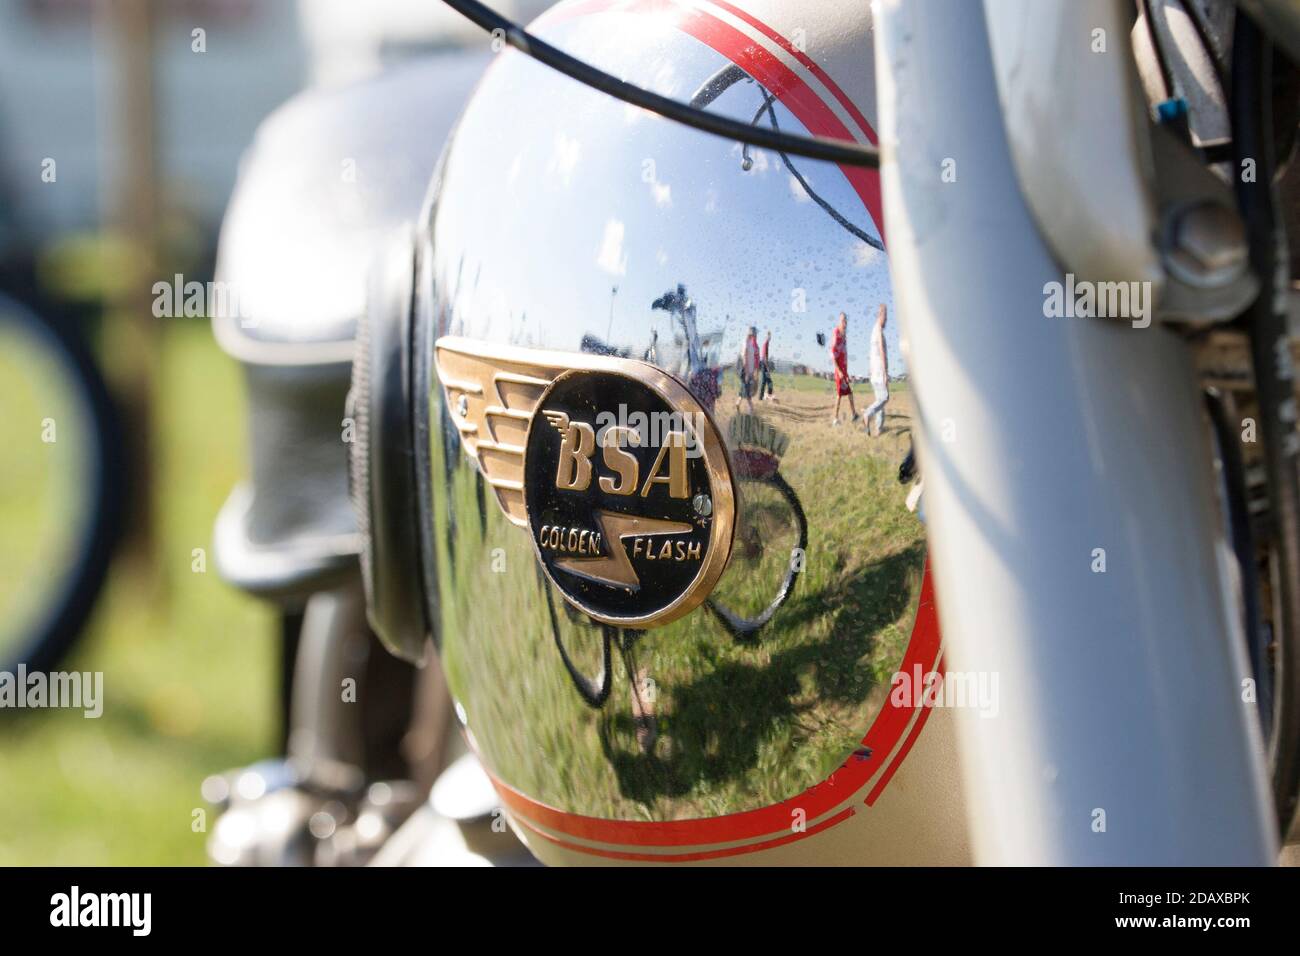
(879, 374)
(840, 358)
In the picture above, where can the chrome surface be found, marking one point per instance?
(567, 221)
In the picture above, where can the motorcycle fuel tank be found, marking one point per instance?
(685, 617)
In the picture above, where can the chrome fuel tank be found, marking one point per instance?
(784, 718)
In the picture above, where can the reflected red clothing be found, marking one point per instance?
(840, 355)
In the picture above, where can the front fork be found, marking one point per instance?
(1073, 526)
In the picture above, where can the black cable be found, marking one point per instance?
(717, 84)
(834, 213)
(839, 151)
(1270, 347)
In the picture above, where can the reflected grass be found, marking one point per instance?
(736, 725)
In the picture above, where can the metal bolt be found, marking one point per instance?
(462, 406)
(1207, 245)
(703, 505)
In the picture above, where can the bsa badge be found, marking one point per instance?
(619, 477)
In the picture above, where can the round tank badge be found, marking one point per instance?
(628, 494)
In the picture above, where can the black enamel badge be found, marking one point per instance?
(628, 494)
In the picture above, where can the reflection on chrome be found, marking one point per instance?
(566, 221)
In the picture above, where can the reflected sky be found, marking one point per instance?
(555, 195)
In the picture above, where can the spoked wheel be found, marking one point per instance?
(61, 489)
(767, 555)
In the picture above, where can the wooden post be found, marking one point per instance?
(124, 32)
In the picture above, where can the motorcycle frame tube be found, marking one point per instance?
(325, 738)
(1122, 736)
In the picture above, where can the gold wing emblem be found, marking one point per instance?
(492, 392)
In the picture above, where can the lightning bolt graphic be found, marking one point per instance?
(616, 569)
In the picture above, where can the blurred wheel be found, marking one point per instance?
(61, 488)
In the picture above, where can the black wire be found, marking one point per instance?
(1266, 320)
(717, 84)
(834, 213)
(839, 151)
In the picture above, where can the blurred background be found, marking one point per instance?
(122, 123)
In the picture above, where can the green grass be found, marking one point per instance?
(810, 384)
(738, 725)
(188, 663)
